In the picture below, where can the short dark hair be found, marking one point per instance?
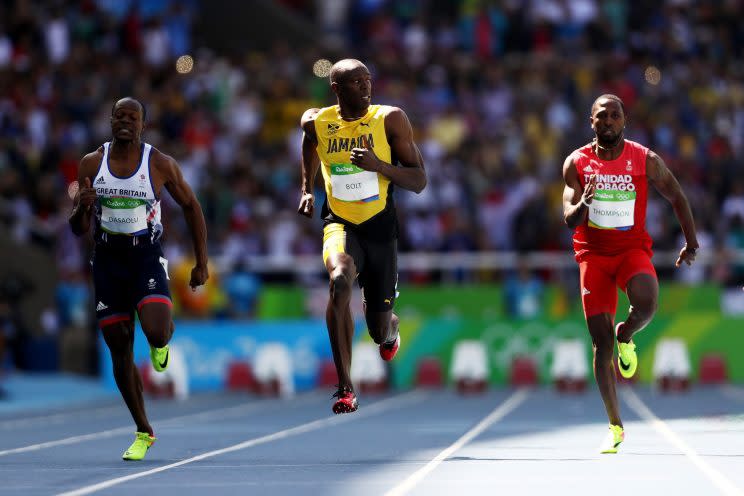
(609, 96)
(142, 106)
(342, 66)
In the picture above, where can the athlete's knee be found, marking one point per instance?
(118, 337)
(646, 305)
(603, 343)
(394, 323)
(391, 330)
(643, 293)
(379, 331)
(340, 285)
(603, 351)
(157, 322)
(158, 332)
(382, 326)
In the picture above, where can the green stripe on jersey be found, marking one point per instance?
(120, 202)
(614, 195)
(344, 169)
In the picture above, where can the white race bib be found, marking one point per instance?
(612, 209)
(123, 215)
(350, 183)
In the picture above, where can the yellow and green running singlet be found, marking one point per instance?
(352, 193)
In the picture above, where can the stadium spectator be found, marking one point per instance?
(491, 98)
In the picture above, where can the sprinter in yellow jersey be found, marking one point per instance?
(362, 150)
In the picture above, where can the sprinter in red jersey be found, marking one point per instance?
(604, 200)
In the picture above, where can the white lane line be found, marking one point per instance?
(59, 418)
(372, 409)
(717, 478)
(66, 441)
(497, 414)
(220, 412)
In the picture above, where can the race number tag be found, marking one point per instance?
(123, 215)
(612, 209)
(350, 183)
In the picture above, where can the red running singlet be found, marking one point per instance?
(617, 215)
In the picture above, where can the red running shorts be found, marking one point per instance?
(601, 275)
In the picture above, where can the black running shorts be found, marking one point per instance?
(376, 263)
(126, 277)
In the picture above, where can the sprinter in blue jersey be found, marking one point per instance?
(119, 188)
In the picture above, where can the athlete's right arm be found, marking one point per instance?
(85, 198)
(310, 162)
(576, 199)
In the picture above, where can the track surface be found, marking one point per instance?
(423, 442)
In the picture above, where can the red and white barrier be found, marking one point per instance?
(273, 370)
(713, 369)
(570, 366)
(470, 369)
(429, 373)
(368, 370)
(672, 369)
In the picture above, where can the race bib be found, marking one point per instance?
(123, 215)
(612, 209)
(350, 183)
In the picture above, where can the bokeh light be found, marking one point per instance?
(652, 75)
(184, 64)
(322, 68)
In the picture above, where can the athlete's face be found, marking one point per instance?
(126, 121)
(608, 121)
(354, 88)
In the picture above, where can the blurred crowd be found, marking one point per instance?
(498, 93)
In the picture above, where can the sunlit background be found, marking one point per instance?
(498, 94)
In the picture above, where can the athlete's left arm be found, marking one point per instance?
(412, 175)
(182, 193)
(667, 185)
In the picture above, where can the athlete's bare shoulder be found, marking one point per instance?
(307, 123)
(309, 117)
(391, 112)
(96, 154)
(656, 168)
(396, 121)
(569, 165)
(162, 163)
(90, 162)
(653, 157)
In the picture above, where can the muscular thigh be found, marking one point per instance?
(379, 279)
(337, 238)
(634, 262)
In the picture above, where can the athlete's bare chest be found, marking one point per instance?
(123, 167)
